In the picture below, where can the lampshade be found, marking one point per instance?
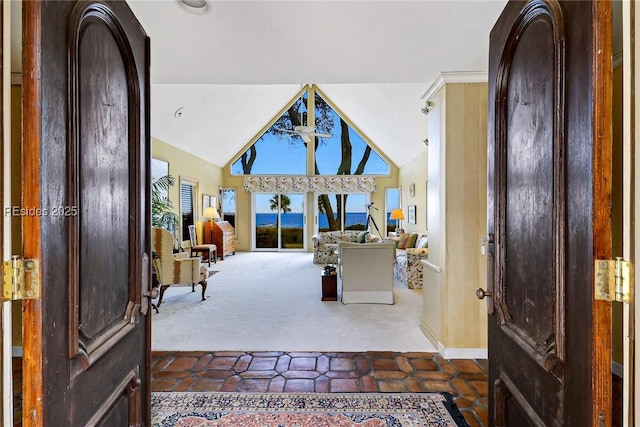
(211, 213)
(396, 214)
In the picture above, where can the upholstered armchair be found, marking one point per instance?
(366, 272)
(173, 268)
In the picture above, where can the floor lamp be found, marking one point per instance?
(211, 213)
(398, 216)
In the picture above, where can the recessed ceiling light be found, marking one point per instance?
(179, 113)
(198, 7)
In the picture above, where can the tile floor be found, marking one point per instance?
(326, 372)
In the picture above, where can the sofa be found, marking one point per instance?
(408, 268)
(325, 244)
(366, 272)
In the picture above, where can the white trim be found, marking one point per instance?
(617, 369)
(430, 266)
(7, 317)
(452, 352)
(455, 77)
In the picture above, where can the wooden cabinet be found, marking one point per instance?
(223, 236)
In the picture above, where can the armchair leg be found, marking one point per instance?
(204, 288)
(162, 289)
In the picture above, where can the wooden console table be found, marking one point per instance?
(223, 236)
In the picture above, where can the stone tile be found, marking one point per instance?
(445, 365)
(262, 363)
(392, 386)
(196, 354)
(283, 363)
(390, 354)
(424, 364)
(225, 362)
(207, 384)
(322, 364)
(476, 376)
(363, 365)
(403, 364)
(436, 386)
(341, 385)
(322, 384)
(463, 402)
(267, 353)
(229, 353)
(166, 384)
(342, 374)
(231, 383)
(464, 389)
(467, 366)
(389, 375)
(185, 384)
(243, 363)
(342, 364)
(303, 364)
(414, 385)
(484, 401)
(181, 364)
(368, 384)
(418, 355)
(172, 374)
(301, 374)
(343, 354)
(431, 376)
(202, 362)
(254, 385)
(161, 362)
(277, 385)
(214, 373)
(304, 354)
(299, 386)
(258, 374)
(384, 364)
(484, 363)
(481, 387)
(482, 413)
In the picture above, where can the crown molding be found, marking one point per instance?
(455, 77)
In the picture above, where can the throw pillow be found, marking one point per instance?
(422, 242)
(412, 240)
(400, 243)
(361, 237)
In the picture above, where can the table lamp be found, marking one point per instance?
(398, 216)
(211, 213)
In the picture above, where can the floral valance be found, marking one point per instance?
(317, 184)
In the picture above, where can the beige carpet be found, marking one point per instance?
(268, 301)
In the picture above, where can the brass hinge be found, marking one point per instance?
(21, 279)
(613, 280)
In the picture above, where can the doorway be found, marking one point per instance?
(279, 221)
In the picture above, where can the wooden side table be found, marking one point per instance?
(329, 287)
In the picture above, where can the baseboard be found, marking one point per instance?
(617, 369)
(453, 352)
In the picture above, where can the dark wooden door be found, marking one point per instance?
(86, 167)
(548, 217)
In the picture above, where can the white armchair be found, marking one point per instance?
(366, 272)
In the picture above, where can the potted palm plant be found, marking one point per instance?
(162, 214)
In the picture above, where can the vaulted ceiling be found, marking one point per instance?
(231, 69)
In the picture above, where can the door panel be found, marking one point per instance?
(94, 154)
(544, 175)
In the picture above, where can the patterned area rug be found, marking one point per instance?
(190, 409)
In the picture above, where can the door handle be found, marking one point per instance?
(152, 294)
(481, 293)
